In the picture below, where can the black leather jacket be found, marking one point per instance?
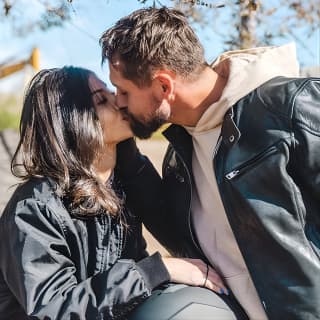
(57, 266)
(267, 166)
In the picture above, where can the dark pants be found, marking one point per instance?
(181, 302)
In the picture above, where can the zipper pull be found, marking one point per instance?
(232, 174)
(217, 146)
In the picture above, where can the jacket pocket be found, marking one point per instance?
(253, 162)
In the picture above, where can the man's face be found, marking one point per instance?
(142, 107)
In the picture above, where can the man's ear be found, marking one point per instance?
(164, 81)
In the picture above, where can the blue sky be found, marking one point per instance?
(77, 42)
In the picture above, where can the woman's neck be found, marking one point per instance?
(105, 162)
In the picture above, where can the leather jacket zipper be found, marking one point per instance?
(232, 174)
(189, 209)
(251, 163)
(217, 146)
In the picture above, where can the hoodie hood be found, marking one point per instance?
(246, 70)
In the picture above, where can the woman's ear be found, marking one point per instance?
(164, 81)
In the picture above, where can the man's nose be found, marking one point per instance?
(120, 101)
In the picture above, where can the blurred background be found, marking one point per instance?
(36, 34)
(51, 33)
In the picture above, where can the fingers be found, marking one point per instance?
(209, 278)
(215, 283)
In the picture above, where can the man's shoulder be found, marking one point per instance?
(289, 85)
(279, 94)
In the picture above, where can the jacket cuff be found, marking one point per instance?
(153, 270)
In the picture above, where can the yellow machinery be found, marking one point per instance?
(6, 70)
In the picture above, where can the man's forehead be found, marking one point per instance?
(117, 79)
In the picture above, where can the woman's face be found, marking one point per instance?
(115, 128)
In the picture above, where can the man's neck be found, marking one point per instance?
(194, 98)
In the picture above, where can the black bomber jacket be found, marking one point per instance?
(267, 166)
(54, 265)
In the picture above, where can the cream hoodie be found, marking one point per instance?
(246, 70)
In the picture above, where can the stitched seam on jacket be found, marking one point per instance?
(60, 220)
(287, 116)
(296, 94)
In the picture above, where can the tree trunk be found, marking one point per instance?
(247, 26)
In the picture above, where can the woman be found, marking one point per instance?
(69, 246)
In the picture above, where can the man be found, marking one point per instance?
(241, 176)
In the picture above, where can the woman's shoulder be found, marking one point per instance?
(39, 193)
(40, 189)
(33, 214)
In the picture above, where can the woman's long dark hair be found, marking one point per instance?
(60, 136)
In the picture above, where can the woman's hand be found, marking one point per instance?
(194, 272)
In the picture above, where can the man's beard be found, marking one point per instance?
(144, 129)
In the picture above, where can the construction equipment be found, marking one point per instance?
(33, 60)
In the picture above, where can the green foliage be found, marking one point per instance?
(158, 134)
(9, 112)
(9, 120)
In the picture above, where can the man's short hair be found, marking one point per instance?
(149, 39)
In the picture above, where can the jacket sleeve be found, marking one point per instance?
(306, 133)
(144, 191)
(37, 267)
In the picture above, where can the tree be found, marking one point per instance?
(245, 23)
(43, 14)
(252, 22)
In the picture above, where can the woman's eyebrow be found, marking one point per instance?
(96, 91)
